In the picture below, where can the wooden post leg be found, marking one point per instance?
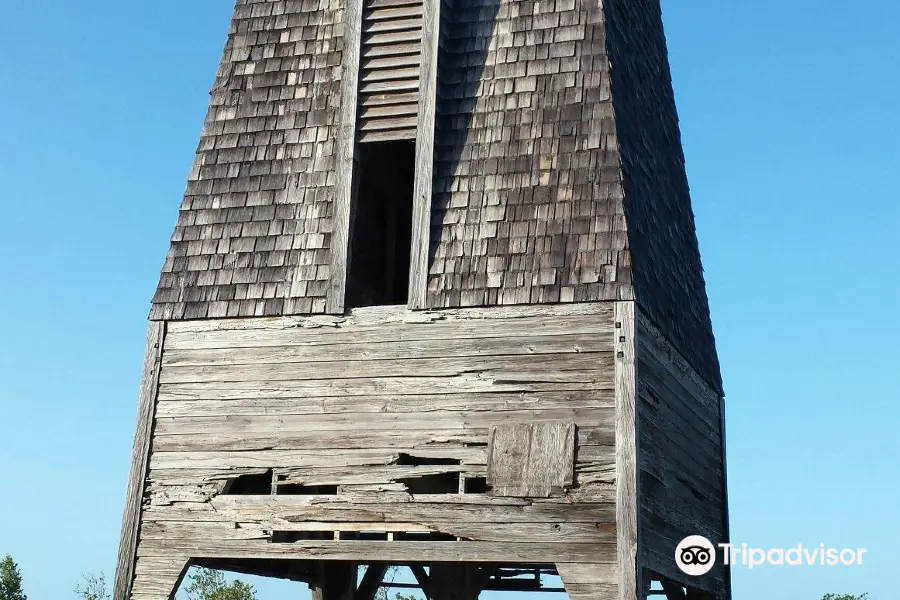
(336, 581)
(590, 581)
(157, 578)
(455, 581)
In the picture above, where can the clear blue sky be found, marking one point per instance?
(790, 116)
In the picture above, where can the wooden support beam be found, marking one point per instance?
(345, 149)
(421, 217)
(626, 450)
(457, 581)
(371, 581)
(336, 580)
(140, 461)
(422, 578)
(674, 591)
(695, 594)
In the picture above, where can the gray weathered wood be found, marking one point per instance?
(531, 459)
(587, 581)
(396, 552)
(421, 220)
(373, 404)
(626, 451)
(140, 460)
(345, 151)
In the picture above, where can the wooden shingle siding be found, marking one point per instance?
(389, 69)
(557, 179)
(681, 467)
(328, 401)
(665, 260)
(527, 204)
(254, 230)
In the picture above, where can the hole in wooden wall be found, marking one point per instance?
(256, 484)
(298, 489)
(476, 485)
(419, 461)
(289, 537)
(441, 483)
(381, 224)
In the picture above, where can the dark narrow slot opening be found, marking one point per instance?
(442, 483)
(381, 224)
(298, 489)
(476, 485)
(249, 485)
(289, 537)
(419, 461)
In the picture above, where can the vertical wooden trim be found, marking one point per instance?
(421, 217)
(345, 148)
(140, 460)
(627, 501)
(726, 518)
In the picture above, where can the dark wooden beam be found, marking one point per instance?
(371, 581)
(336, 580)
(673, 591)
(423, 579)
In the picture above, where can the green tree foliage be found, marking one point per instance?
(93, 588)
(845, 597)
(10, 580)
(208, 584)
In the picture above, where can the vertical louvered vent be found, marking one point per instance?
(389, 69)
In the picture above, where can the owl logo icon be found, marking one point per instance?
(695, 556)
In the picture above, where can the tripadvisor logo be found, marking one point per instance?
(696, 556)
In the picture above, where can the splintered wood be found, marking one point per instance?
(531, 460)
(385, 435)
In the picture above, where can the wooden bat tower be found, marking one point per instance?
(434, 298)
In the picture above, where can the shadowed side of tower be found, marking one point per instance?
(434, 298)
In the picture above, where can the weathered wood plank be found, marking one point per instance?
(583, 533)
(557, 368)
(525, 327)
(391, 24)
(388, 50)
(596, 442)
(587, 581)
(626, 452)
(419, 403)
(392, 62)
(531, 459)
(390, 14)
(140, 459)
(345, 150)
(422, 193)
(375, 316)
(378, 421)
(310, 458)
(398, 552)
(407, 508)
(579, 343)
(383, 136)
(472, 383)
